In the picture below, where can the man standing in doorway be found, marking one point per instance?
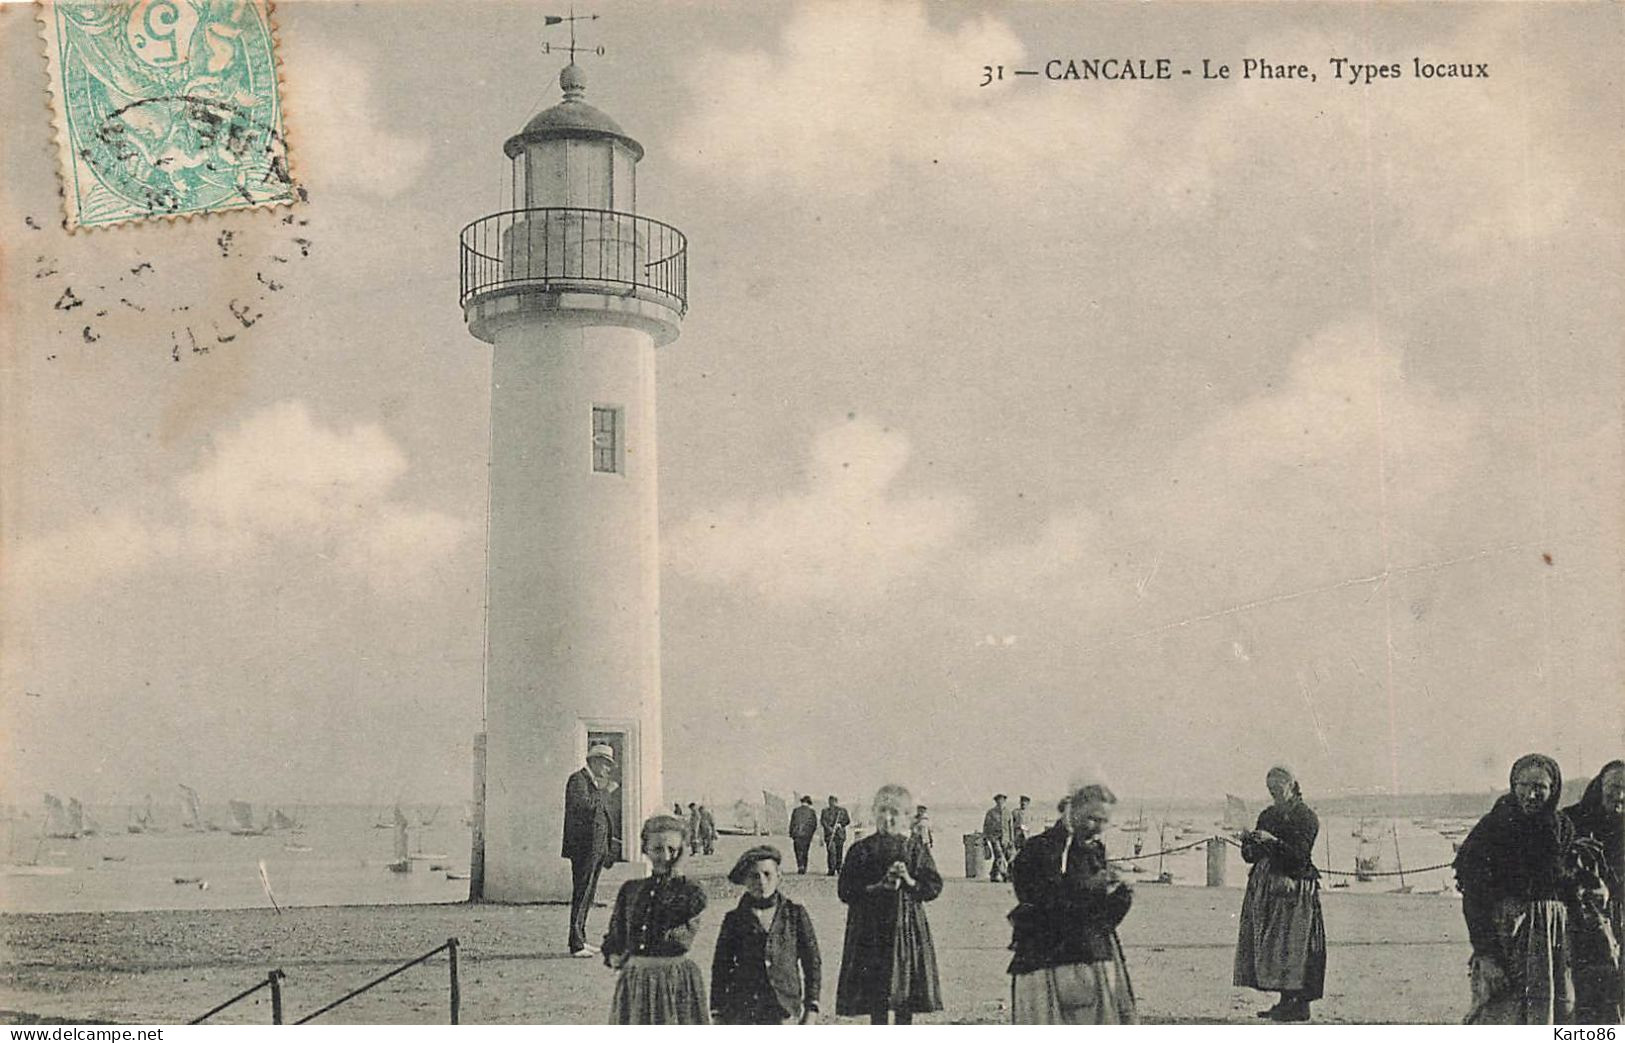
(589, 839)
(803, 827)
(999, 834)
(834, 820)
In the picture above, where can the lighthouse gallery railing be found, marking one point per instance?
(575, 248)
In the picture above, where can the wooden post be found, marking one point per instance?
(276, 997)
(476, 858)
(456, 990)
(1216, 858)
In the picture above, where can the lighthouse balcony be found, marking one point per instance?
(573, 258)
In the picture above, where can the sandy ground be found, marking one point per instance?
(1393, 958)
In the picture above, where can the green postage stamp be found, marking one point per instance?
(165, 108)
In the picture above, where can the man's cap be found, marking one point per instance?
(736, 875)
(1001, 796)
(806, 799)
(602, 750)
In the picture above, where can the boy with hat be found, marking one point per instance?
(762, 943)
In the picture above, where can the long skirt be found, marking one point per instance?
(1528, 979)
(659, 990)
(1074, 994)
(1599, 978)
(1281, 946)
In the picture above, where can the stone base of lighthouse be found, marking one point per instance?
(573, 631)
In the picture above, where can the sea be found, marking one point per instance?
(339, 854)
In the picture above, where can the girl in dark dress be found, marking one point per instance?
(1282, 943)
(888, 963)
(1595, 921)
(650, 932)
(1516, 871)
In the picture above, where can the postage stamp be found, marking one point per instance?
(165, 108)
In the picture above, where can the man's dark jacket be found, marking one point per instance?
(803, 821)
(587, 827)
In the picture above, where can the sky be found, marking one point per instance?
(1164, 431)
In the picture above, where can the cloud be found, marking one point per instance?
(1303, 485)
(278, 484)
(338, 130)
(847, 535)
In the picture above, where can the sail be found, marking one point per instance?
(401, 853)
(76, 817)
(775, 815)
(746, 818)
(1235, 812)
(242, 817)
(194, 814)
(56, 818)
(280, 820)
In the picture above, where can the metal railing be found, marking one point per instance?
(450, 948)
(574, 248)
(273, 981)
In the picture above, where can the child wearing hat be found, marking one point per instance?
(766, 970)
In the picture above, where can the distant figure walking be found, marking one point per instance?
(834, 820)
(1282, 942)
(708, 831)
(1068, 966)
(766, 970)
(650, 933)
(889, 963)
(589, 841)
(1018, 824)
(803, 827)
(999, 837)
(1516, 872)
(920, 828)
(1598, 928)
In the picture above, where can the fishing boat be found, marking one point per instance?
(142, 821)
(192, 818)
(1235, 813)
(63, 823)
(403, 859)
(450, 875)
(279, 820)
(242, 820)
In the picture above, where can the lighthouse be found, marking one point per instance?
(574, 290)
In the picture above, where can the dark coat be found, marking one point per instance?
(754, 972)
(654, 917)
(803, 821)
(834, 820)
(888, 961)
(1063, 917)
(587, 827)
(1292, 852)
(1509, 854)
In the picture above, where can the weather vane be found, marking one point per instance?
(571, 19)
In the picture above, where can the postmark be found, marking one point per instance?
(165, 108)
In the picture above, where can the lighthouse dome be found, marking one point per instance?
(571, 118)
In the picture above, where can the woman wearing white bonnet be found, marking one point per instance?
(1068, 966)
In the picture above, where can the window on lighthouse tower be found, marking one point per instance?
(607, 448)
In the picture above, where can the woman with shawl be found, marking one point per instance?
(1068, 965)
(1281, 946)
(1595, 919)
(889, 963)
(1516, 872)
(650, 932)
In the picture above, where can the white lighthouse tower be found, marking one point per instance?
(574, 290)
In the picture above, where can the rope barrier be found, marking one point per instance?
(273, 980)
(1236, 844)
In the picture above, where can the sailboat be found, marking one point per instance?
(242, 820)
(1403, 888)
(1138, 825)
(76, 819)
(60, 823)
(403, 860)
(279, 820)
(1235, 813)
(193, 819)
(142, 821)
